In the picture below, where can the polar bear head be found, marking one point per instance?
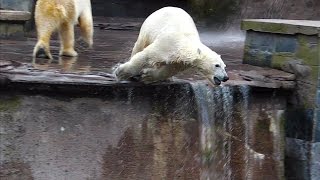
(211, 66)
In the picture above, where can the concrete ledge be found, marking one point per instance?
(9, 15)
(14, 72)
(282, 26)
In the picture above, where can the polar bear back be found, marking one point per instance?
(169, 20)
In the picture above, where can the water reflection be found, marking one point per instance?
(159, 149)
(94, 138)
(63, 65)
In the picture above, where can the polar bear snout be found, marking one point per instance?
(225, 78)
(219, 75)
(217, 80)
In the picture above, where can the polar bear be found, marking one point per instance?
(62, 15)
(169, 43)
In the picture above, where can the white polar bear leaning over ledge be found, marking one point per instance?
(169, 43)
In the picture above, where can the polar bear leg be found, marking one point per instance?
(138, 62)
(137, 48)
(133, 67)
(67, 39)
(140, 45)
(86, 27)
(43, 44)
(150, 75)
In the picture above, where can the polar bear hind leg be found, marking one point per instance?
(139, 46)
(42, 47)
(66, 33)
(86, 27)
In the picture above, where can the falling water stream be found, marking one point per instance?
(240, 136)
(217, 114)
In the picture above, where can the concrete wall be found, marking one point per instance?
(19, 5)
(294, 9)
(281, 9)
(293, 47)
(57, 131)
(283, 52)
(17, 28)
(131, 134)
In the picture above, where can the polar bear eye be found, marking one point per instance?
(217, 65)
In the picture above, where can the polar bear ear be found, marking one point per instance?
(199, 51)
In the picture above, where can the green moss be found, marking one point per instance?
(314, 74)
(307, 53)
(264, 27)
(9, 104)
(278, 59)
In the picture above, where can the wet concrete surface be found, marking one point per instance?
(111, 47)
(152, 135)
(114, 46)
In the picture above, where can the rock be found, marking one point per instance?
(270, 78)
(296, 67)
(252, 76)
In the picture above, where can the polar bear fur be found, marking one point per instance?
(62, 15)
(169, 43)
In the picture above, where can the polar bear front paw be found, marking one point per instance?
(119, 73)
(148, 76)
(115, 70)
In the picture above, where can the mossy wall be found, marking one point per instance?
(282, 51)
(275, 46)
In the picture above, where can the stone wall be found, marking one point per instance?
(19, 5)
(293, 46)
(131, 8)
(293, 53)
(135, 131)
(284, 9)
(14, 27)
(281, 9)
(124, 133)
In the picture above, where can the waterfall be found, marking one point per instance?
(216, 108)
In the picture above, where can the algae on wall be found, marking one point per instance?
(9, 104)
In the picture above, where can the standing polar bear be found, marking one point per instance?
(169, 43)
(62, 15)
